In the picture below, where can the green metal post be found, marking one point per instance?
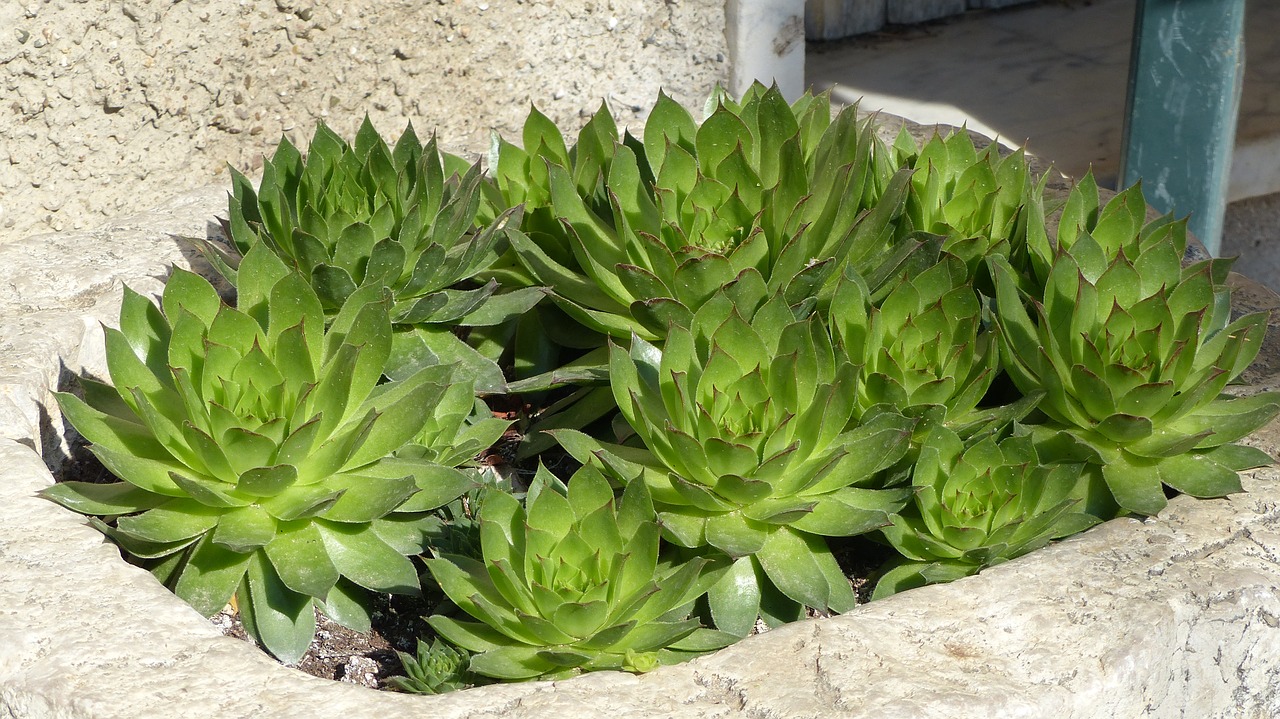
(1185, 74)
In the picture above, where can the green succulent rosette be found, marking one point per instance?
(976, 200)
(1119, 227)
(753, 447)
(980, 503)
(410, 218)
(925, 350)
(258, 451)
(571, 582)
(523, 177)
(434, 668)
(1133, 351)
(650, 229)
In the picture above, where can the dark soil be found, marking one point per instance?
(344, 655)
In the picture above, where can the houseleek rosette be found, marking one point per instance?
(924, 351)
(410, 218)
(978, 504)
(752, 448)
(257, 451)
(651, 231)
(572, 582)
(435, 668)
(976, 200)
(1119, 227)
(1133, 352)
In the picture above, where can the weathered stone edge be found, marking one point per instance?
(1171, 617)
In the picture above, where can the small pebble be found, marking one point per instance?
(362, 671)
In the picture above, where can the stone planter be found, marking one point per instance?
(1174, 616)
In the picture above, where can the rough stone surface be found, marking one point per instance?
(108, 107)
(1176, 616)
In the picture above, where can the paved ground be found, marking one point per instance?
(1052, 76)
(1252, 231)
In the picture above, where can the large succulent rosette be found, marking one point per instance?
(572, 581)
(754, 447)
(258, 451)
(410, 218)
(650, 229)
(1134, 351)
(980, 503)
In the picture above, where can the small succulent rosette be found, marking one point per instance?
(434, 668)
(572, 581)
(751, 448)
(1134, 352)
(976, 200)
(258, 451)
(978, 504)
(925, 350)
(410, 218)
(649, 229)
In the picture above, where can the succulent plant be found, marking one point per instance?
(522, 176)
(925, 350)
(753, 447)
(652, 228)
(977, 200)
(1118, 228)
(458, 428)
(978, 504)
(410, 218)
(436, 668)
(258, 450)
(572, 582)
(1133, 351)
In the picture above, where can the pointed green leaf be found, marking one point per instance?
(298, 554)
(211, 576)
(283, 620)
(359, 555)
(244, 529)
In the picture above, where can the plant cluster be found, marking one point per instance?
(738, 342)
